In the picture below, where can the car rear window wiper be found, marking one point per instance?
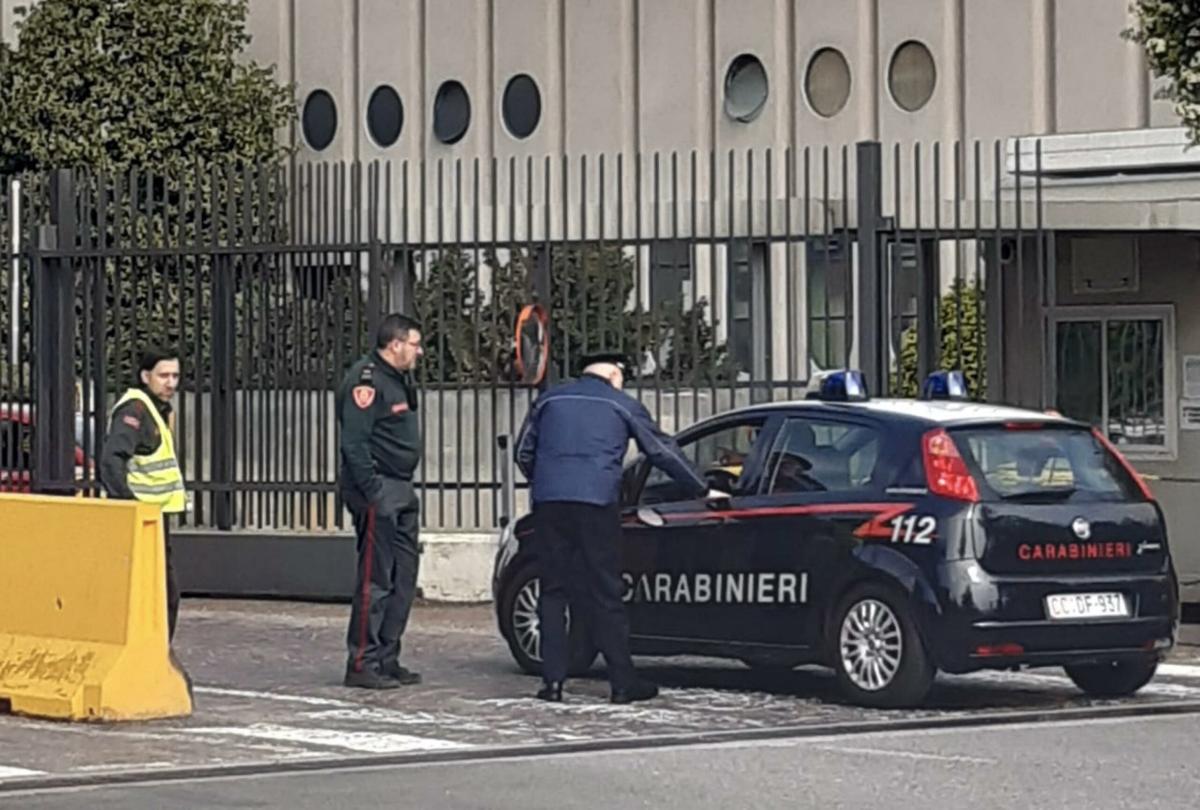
(1050, 494)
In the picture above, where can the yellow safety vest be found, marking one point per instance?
(156, 478)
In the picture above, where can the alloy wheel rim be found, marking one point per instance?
(872, 645)
(527, 626)
(525, 621)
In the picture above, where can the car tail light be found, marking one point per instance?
(945, 470)
(1134, 474)
(1009, 650)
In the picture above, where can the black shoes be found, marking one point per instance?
(404, 675)
(551, 691)
(370, 679)
(638, 690)
(393, 676)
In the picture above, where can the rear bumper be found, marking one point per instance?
(990, 622)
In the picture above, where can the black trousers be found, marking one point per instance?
(578, 549)
(386, 583)
(172, 582)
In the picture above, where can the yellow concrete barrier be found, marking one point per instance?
(83, 611)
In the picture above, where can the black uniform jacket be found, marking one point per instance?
(381, 429)
(132, 432)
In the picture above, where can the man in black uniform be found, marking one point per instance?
(571, 449)
(380, 449)
(138, 460)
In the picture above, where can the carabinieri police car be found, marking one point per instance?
(887, 539)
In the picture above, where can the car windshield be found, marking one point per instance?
(1045, 464)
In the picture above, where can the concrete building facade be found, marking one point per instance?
(439, 84)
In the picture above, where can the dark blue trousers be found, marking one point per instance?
(578, 550)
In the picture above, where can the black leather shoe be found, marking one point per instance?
(404, 675)
(638, 690)
(551, 691)
(370, 679)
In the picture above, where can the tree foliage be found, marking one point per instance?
(173, 132)
(592, 305)
(1169, 32)
(155, 84)
(962, 342)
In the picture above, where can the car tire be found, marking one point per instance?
(876, 650)
(519, 627)
(1110, 679)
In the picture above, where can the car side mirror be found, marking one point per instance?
(650, 517)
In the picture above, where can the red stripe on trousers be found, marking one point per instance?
(366, 591)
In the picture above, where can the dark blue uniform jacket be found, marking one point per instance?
(573, 443)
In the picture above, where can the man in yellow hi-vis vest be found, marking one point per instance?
(138, 460)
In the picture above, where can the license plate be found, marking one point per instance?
(1086, 605)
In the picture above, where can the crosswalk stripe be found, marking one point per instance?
(370, 742)
(10, 772)
(1179, 670)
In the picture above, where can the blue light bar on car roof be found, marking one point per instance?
(847, 385)
(945, 385)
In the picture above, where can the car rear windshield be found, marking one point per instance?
(1044, 464)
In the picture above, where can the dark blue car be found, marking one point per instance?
(887, 539)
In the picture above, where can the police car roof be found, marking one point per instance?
(933, 412)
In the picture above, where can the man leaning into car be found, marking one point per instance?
(571, 449)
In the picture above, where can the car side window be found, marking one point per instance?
(812, 455)
(719, 457)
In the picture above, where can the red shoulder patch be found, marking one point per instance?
(364, 395)
(132, 421)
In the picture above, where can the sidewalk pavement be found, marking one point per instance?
(268, 694)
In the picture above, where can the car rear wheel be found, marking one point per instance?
(878, 654)
(1113, 678)
(521, 627)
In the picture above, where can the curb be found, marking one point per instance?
(499, 753)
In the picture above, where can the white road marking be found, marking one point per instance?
(1179, 670)
(801, 743)
(278, 696)
(364, 741)
(9, 772)
(1044, 679)
(883, 752)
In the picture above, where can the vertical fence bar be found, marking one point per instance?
(872, 312)
(55, 339)
(1045, 295)
(461, 378)
(694, 281)
(1021, 397)
(981, 383)
(480, 363)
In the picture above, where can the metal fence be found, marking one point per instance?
(729, 278)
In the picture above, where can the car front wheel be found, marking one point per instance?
(878, 654)
(521, 627)
(1113, 678)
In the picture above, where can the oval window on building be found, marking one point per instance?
(827, 82)
(912, 76)
(319, 120)
(451, 112)
(746, 88)
(522, 106)
(385, 115)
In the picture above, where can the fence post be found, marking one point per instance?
(505, 459)
(375, 270)
(870, 321)
(541, 295)
(224, 410)
(54, 337)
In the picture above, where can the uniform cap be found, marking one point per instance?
(619, 359)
